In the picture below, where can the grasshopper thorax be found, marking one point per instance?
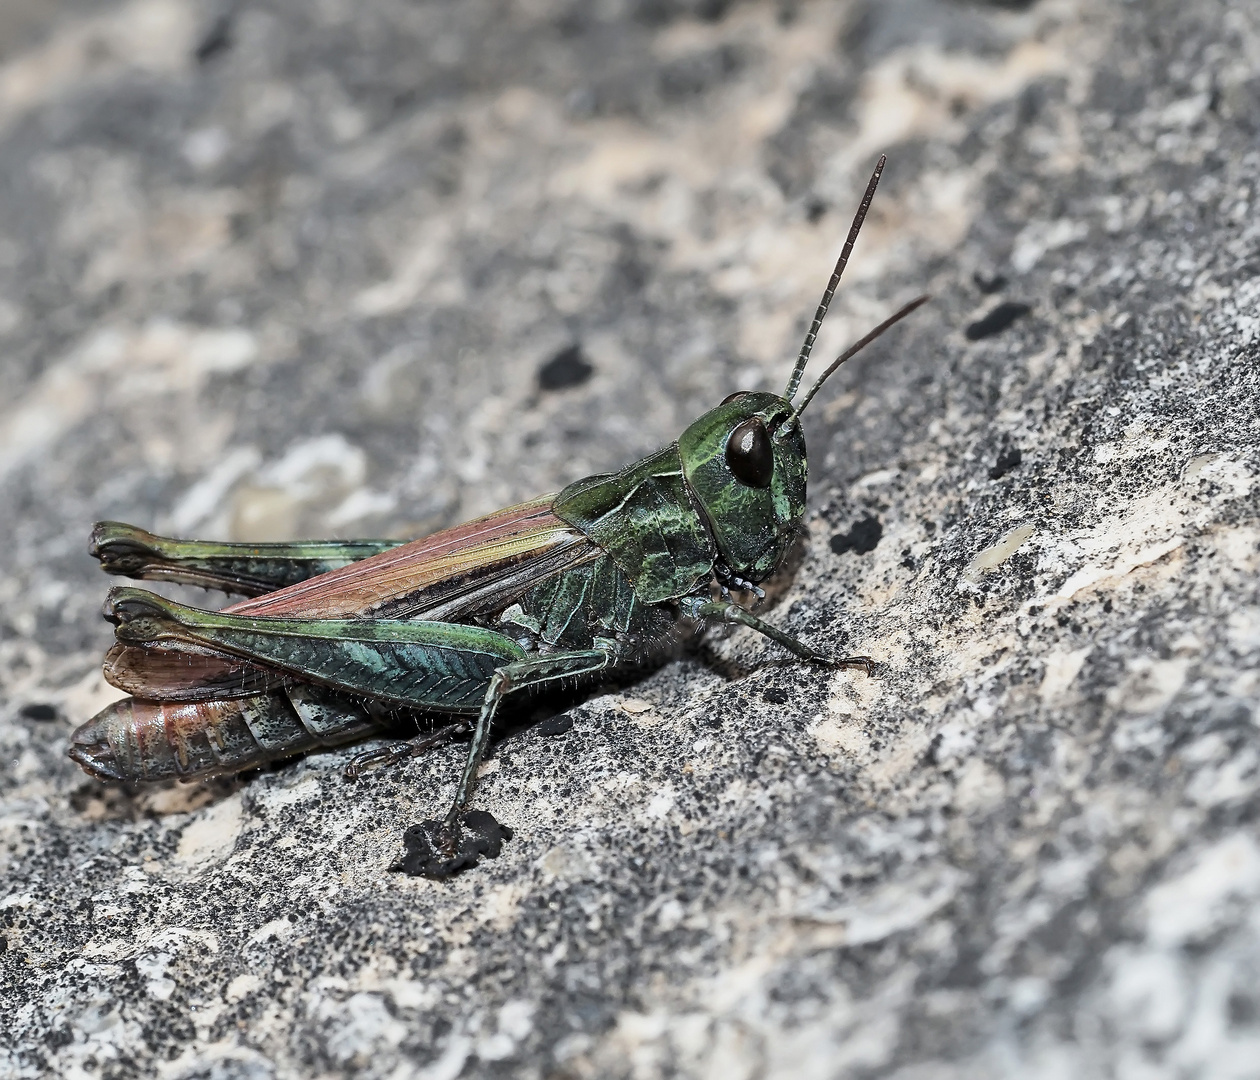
(745, 465)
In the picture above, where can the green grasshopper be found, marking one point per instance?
(338, 638)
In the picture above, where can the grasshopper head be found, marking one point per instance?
(745, 464)
(745, 460)
(747, 471)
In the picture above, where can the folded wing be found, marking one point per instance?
(475, 569)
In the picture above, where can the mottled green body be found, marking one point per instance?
(674, 518)
(589, 580)
(584, 606)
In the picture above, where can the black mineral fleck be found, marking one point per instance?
(426, 843)
(861, 537)
(1007, 460)
(997, 320)
(568, 368)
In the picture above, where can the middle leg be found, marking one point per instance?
(403, 749)
(732, 613)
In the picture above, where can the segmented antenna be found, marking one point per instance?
(807, 347)
(851, 351)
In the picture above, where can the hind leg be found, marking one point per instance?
(402, 750)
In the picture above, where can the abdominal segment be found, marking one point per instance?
(140, 741)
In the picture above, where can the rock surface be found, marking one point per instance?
(276, 268)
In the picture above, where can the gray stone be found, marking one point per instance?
(284, 268)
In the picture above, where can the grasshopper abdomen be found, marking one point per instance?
(136, 740)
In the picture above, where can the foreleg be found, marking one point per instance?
(724, 611)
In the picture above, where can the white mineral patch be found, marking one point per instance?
(1096, 574)
(143, 35)
(979, 786)
(660, 803)
(153, 969)
(212, 834)
(995, 555)
(569, 864)
(324, 473)
(128, 366)
(241, 986)
(281, 795)
(1038, 237)
(888, 910)
(1149, 685)
(206, 496)
(841, 734)
(1183, 908)
(1061, 670)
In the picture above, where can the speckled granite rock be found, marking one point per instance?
(274, 268)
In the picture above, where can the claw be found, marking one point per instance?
(863, 662)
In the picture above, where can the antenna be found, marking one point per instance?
(807, 347)
(850, 352)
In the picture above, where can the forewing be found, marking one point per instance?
(475, 568)
(479, 566)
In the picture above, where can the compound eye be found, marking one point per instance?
(734, 396)
(750, 455)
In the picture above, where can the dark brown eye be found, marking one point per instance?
(732, 397)
(750, 455)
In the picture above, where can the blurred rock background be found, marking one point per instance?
(272, 268)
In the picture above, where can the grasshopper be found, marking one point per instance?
(335, 639)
